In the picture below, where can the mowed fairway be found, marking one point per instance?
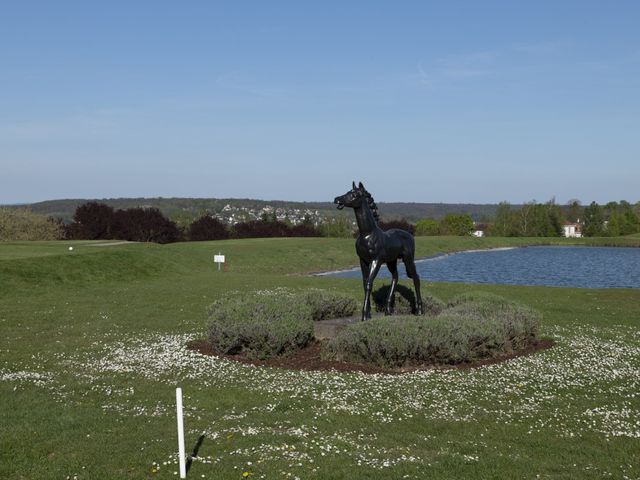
(92, 346)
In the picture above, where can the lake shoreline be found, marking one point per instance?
(567, 266)
(423, 259)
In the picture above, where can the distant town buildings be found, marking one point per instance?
(479, 229)
(232, 215)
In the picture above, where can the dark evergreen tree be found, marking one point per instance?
(575, 211)
(593, 221)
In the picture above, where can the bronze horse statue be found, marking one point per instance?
(376, 247)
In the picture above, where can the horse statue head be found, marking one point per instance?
(356, 198)
(353, 198)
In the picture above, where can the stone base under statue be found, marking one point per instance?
(325, 329)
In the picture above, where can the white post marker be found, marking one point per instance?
(181, 456)
(218, 259)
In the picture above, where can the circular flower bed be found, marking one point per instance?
(472, 327)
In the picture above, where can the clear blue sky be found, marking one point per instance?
(423, 101)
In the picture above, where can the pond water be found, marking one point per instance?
(581, 267)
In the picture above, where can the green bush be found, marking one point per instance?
(269, 323)
(23, 224)
(432, 305)
(326, 304)
(517, 325)
(465, 332)
(426, 227)
(261, 326)
(474, 297)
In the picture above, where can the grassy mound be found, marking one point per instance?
(268, 323)
(473, 327)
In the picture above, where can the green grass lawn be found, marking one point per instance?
(92, 346)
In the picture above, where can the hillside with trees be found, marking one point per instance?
(184, 210)
(142, 221)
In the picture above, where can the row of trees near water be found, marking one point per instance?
(611, 220)
(546, 219)
(531, 220)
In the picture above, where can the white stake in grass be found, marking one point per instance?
(181, 457)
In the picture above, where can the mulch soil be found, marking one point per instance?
(310, 359)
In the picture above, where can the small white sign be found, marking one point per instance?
(218, 258)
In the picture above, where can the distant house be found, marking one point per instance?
(572, 230)
(479, 229)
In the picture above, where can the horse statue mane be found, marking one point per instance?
(372, 206)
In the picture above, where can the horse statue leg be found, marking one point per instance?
(364, 268)
(368, 286)
(393, 268)
(413, 274)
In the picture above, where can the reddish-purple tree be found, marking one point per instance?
(402, 224)
(145, 225)
(304, 230)
(92, 221)
(208, 228)
(260, 229)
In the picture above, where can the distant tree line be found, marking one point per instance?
(210, 228)
(184, 210)
(611, 220)
(531, 220)
(94, 220)
(547, 219)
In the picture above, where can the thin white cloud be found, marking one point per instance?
(543, 48)
(79, 125)
(459, 67)
(239, 82)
